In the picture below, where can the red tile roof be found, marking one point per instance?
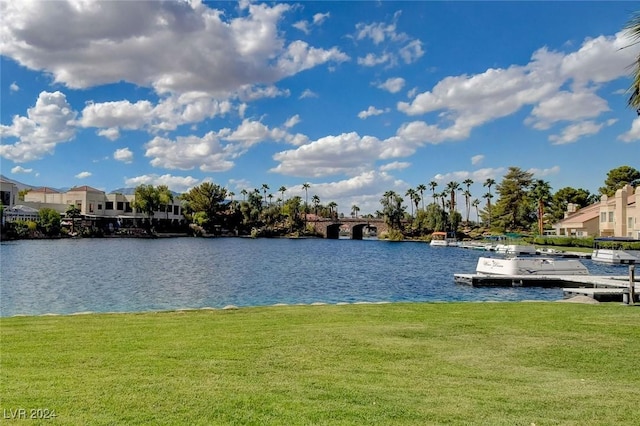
(45, 190)
(84, 188)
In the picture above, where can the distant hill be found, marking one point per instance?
(21, 186)
(123, 191)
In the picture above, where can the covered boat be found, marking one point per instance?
(530, 266)
(443, 239)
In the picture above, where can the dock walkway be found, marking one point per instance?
(599, 287)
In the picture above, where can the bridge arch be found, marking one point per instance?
(331, 228)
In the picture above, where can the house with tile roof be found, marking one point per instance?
(617, 216)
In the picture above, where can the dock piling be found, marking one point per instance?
(630, 296)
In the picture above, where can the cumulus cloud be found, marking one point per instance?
(47, 124)
(395, 46)
(395, 165)
(292, 121)
(392, 85)
(468, 101)
(633, 134)
(135, 42)
(575, 131)
(82, 175)
(18, 169)
(371, 111)
(305, 26)
(178, 184)
(477, 159)
(540, 173)
(123, 154)
(13, 87)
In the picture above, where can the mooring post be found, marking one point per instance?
(632, 296)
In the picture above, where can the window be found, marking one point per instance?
(108, 205)
(120, 205)
(176, 210)
(127, 207)
(610, 216)
(630, 222)
(603, 217)
(90, 207)
(99, 207)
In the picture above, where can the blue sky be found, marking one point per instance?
(355, 98)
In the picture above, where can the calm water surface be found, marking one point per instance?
(132, 275)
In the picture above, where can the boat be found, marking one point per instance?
(515, 249)
(613, 253)
(443, 239)
(530, 266)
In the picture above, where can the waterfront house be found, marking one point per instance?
(617, 216)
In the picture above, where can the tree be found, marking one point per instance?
(433, 185)
(632, 29)
(393, 210)
(166, 198)
(244, 194)
(619, 177)
(22, 193)
(489, 183)
(560, 200)
(147, 200)
(513, 209)
(72, 212)
(207, 199)
(282, 190)
(541, 196)
(265, 188)
(354, 211)
(306, 187)
(49, 221)
(316, 202)
(452, 187)
(332, 208)
(467, 195)
(475, 203)
(421, 188)
(411, 193)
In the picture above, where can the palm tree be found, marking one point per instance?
(282, 190)
(475, 203)
(452, 187)
(244, 194)
(489, 183)
(354, 211)
(270, 199)
(632, 29)
(166, 198)
(265, 187)
(306, 187)
(488, 197)
(411, 193)
(421, 188)
(541, 193)
(316, 202)
(467, 195)
(332, 205)
(433, 185)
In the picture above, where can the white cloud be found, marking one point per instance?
(18, 169)
(371, 111)
(633, 134)
(540, 173)
(123, 154)
(47, 124)
(371, 60)
(135, 42)
(82, 175)
(292, 121)
(477, 159)
(111, 133)
(392, 85)
(13, 87)
(188, 152)
(575, 131)
(308, 94)
(396, 165)
(566, 106)
(175, 183)
(305, 26)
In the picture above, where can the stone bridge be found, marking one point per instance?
(330, 228)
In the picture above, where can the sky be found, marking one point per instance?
(355, 98)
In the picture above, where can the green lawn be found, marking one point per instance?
(413, 364)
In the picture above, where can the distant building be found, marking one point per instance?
(617, 216)
(97, 205)
(8, 193)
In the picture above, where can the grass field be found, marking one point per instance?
(414, 364)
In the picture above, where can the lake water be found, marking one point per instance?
(134, 275)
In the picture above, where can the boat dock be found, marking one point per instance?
(599, 287)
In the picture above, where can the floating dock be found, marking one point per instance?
(599, 287)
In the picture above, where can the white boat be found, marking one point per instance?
(530, 266)
(515, 249)
(615, 256)
(613, 251)
(442, 239)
